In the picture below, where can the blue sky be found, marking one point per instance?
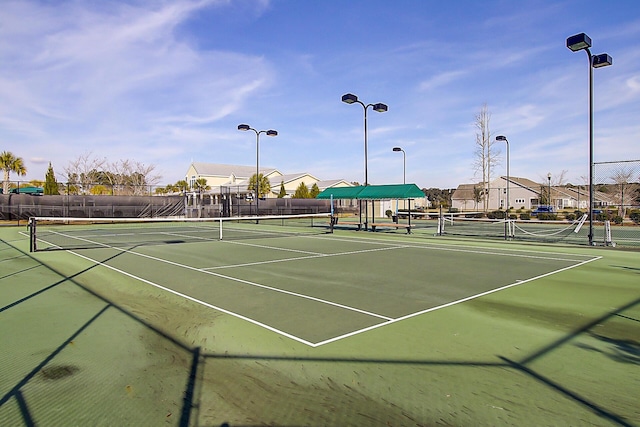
(167, 83)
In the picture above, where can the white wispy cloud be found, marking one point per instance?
(117, 73)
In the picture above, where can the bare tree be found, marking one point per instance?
(126, 176)
(622, 177)
(141, 177)
(82, 170)
(486, 156)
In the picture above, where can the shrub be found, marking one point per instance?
(513, 216)
(617, 219)
(453, 210)
(525, 215)
(547, 216)
(635, 216)
(497, 215)
(570, 216)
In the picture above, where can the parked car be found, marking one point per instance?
(542, 209)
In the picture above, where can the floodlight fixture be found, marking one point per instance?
(579, 42)
(602, 60)
(380, 108)
(349, 98)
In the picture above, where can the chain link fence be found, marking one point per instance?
(618, 184)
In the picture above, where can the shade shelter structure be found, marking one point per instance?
(374, 192)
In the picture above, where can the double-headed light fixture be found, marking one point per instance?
(350, 98)
(583, 42)
(269, 132)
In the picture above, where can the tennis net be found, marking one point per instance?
(534, 230)
(55, 233)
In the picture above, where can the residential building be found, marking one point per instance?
(234, 179)
(525, 194)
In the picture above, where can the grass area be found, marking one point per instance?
(89, 345)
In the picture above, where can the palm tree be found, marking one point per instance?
(182, 186)
(10, 163)
(201, 185)
(264, 186)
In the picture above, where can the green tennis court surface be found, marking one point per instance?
(319, 289)
(350, 328)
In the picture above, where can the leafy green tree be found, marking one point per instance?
(315, 190)
(437, 197)
(50, 183)
(302, 192)
(264, 186)
(99, 189)
(282, 192)
(10, 163)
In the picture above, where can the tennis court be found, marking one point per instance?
(245, 303)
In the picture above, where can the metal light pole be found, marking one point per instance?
(404, 162)
(404, 176)
(350, 98)
(269, 132)
(507, 231)
(504, 138)
(583, 42)
(549, 196)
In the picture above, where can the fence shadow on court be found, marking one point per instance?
(15, 392)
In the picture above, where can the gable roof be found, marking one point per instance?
(216, 169)
(290, 177)
(329, 183)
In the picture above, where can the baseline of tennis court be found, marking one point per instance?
(316, 289)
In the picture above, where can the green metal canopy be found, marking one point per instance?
(340, 192)
(373, 192)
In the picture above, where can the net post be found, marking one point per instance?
(220, 228)
(31, 224)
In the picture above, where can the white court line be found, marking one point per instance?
(418, 313)
(239, 316)
(275, 248)
(302, 258)
(235, 279)
(471, 249)
(430, 244)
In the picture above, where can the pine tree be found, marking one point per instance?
(315, 190)
(302, 192)
(282, 192)
(50, 183)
